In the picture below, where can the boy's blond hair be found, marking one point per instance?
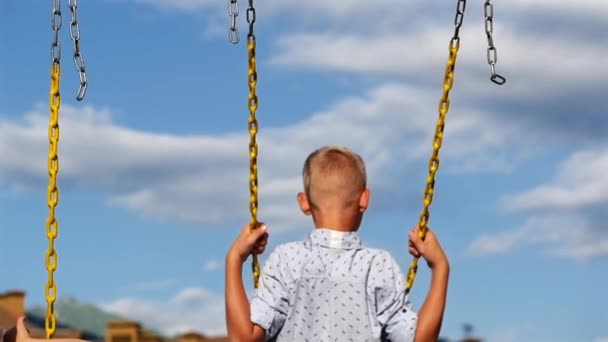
(334, 177)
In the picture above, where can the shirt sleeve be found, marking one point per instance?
(270, 303)
(395, 312)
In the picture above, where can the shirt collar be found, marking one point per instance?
(334, 239)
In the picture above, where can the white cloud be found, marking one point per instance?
(581, 7)
(550, 74)
(572, 237)
(501, 243)
(343, 7)
(567, 215)
(594, 248)
(358, 53)
(523, 57)
(202, 179)
(191, 309)
(390, 10)
(312, 9)
(561, 230)
(191, 295)
(601, 339)
(580, 182)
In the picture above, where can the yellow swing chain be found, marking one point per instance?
(253, 130)
(444, 106)
(52, 226)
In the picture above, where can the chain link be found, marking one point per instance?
(52, 226)
(488, 11)
(78, 59)
(251, 20)
(253, 130)
(458, 19)
(56, 23)
(233, 12)
(444, 106)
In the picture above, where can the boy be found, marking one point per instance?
(329, 287)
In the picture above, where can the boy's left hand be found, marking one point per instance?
(18, 333)
(250, 242)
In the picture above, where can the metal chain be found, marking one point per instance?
(52, 226)
(56, 26)
(251, 21)
(444, 106)
(233, 12)
(253, 130)
(488, 10)
(78, 59)
(458, 19)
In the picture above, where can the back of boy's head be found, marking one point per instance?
(334, 178)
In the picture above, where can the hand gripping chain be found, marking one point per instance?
(253, 130)
(444, 106)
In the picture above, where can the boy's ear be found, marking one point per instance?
(364, 200)
(304, 204)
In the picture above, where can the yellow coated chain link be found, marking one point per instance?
(444, 106)
(253, 150)
(52, 226)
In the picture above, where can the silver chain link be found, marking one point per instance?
(78, 59)
(251, 19)
(488, 10)
(233, 11)
(460, 8)
(56, 26)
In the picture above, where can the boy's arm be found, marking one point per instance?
(430, 316)
(238, 312)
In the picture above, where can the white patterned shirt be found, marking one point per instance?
(331, 288)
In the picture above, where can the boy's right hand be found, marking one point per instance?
(249, 242)
(429, 248)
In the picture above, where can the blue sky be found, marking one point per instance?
(154, 164)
